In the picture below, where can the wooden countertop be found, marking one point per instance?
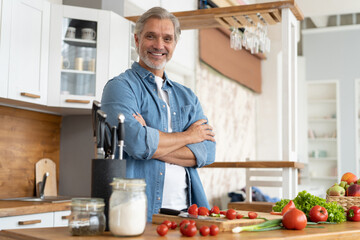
(16, 208)
(257, 164)
(347, 230)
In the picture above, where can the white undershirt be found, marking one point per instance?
(175, 186)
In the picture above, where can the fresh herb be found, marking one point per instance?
(305, 201)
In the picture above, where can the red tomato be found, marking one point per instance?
(231, 214)
(252, 215)
(167, 223)
(353, 214)
(192, 222)
(193, 210)
(215, 210)
(239, 216)
(173, 225)
(318, 214)
(204, 231)
(185, 221)
(214, 230)
(188, 230)
(223, 212)
(288, 206)
(294, 219)
(162, 229)
(203, 211)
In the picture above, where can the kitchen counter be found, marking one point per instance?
(17, 208)
(347, 230)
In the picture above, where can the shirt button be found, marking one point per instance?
(160, 173)
(165, 129)
(174, 113)
(158, 198)
(163, 106)
(154, 89)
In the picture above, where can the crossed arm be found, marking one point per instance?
(172, 146)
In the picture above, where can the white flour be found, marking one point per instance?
(128, 219)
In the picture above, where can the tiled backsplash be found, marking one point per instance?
(230, 108)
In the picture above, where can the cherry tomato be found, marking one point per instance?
(167, 223)
(162, 229)
(239, 216)
(353, 214)
(215, 209)
(188, 230)
(204, 231)
(287, 207)
(252, 215)
(173, 225)
(214, 230)
(203, 211)
(318, 214)
(223, 212)
(193, 210)
(294, 219)
(185, 221)
(231, 214)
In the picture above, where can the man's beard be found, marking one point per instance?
(145, 58)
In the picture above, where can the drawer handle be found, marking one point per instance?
(65, 217)
(30, 95)
(29, 222)
(77, 101)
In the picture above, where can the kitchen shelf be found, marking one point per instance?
(80, 42)
(235, 16)
(77, 71)
(323, 120)
(323, 159)
(322, 101)
(325, 178)
(322, 139)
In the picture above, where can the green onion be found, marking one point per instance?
(267, 225)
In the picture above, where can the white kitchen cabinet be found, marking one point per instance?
(79, 67)
(323, 166)
(61, 218)
(24, 50)
(357, 125)
(39, 220)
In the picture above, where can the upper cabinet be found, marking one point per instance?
(24, 50)
(88, 47)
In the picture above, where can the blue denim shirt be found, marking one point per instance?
(135, 91)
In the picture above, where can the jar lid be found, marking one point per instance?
(88, 203)
(124, 183)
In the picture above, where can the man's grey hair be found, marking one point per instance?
(159, 13)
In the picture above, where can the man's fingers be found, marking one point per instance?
(199, 122)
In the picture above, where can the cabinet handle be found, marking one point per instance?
(30, 95)
(65, 217)
(29, 222)
(77, 101)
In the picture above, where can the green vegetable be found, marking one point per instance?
(265, 226)
(305, 201)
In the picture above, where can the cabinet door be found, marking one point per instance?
(39, 220)
(4, 46)
(28, 57)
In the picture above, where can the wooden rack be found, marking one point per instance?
(236, 16)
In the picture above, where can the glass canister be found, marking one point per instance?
(127, 207)
(87, 216)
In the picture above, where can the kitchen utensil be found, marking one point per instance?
(121, 134)
(101, 115)
(113, 142)
(43, 184)
(96, 106)
(174, 212)
(43, 166)
(107, 140)
(224, 225)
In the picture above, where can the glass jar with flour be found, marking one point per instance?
(127, 207)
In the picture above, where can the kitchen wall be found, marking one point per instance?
(332, 53)
(231, 109)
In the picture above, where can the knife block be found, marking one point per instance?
(103, 171)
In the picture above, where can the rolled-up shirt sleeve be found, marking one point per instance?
(118, 97)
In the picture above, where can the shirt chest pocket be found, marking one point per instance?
(186, 116)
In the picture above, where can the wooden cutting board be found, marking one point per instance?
(42, 166)
(224, 224)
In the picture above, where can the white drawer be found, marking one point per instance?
(39, 220)
(61, 218)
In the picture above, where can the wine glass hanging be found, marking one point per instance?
(253, 37)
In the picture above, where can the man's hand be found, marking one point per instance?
(199, 131)
(139, 118)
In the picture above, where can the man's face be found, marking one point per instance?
(156, 44)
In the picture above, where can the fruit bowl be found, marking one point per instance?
(345, 201)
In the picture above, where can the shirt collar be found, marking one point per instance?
(145, 74)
